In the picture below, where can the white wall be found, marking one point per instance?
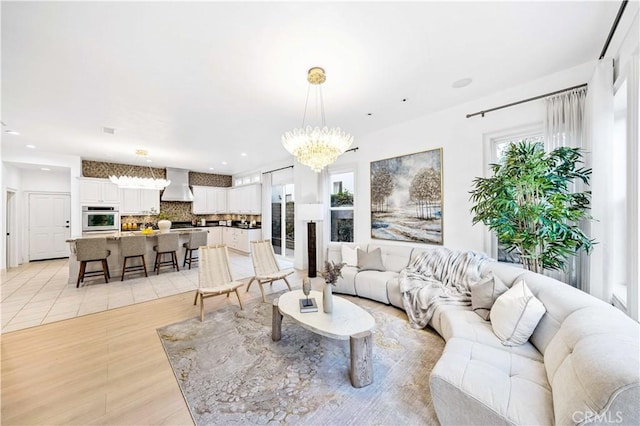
(42, 181)
(462, 141)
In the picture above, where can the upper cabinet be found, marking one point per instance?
(246, 199)
(139, 201)
(98, 191)
(209, 199)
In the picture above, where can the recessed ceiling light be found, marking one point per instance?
(244, 154)
(224, 163)
(210, 168)
(12, 132)
(461, 83)
(149, 161)
(31, 146)
(45, 169)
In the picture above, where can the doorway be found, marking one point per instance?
(49, 225)
(10, 230)
(283, 220)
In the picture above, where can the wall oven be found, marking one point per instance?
(100, 218)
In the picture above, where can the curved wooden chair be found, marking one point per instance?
(214, 275)
(266, 266)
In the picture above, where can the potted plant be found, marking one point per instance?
(531, 204)
(164, 222)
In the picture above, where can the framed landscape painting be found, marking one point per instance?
(406, 198)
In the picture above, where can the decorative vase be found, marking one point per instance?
(327, 299)
(164, 226)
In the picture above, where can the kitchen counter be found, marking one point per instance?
(235, 237)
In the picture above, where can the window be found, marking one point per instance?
(498, 145)
(342, 206)
(619, 225)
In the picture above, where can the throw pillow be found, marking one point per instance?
(350, 255)
(516, 314)
(485, 293)
(371, 261)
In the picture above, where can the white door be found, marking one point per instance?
(48, 226)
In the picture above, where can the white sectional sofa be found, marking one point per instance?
(580, 366)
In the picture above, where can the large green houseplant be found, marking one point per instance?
(530, 204)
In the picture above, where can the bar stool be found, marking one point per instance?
(92, 250)
(196, 239)
(132, 247)
(167, 244)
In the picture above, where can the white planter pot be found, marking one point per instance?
(164, 226)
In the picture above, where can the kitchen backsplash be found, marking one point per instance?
(99, 169)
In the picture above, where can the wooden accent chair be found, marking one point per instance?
(167, 244)
(92, 250)
(214, 275)
(131, 248)
(266, 266)
(196, 239)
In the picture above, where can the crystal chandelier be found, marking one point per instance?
(135, 182)
(314, 146)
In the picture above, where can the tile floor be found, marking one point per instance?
(39, 292)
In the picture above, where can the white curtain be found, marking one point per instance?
(598, 135)
(266, 206)
(564, 126)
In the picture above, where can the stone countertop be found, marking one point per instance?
(114, 236)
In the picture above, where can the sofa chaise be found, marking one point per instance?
(581, 365)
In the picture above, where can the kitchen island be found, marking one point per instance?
(216, 235)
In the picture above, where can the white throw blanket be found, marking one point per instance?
(437, 277)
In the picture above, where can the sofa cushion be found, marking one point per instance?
(592, 364)
(484, 294)
(346, 284)
(370, 261)
(393, 293)
(516, 314)
(467, 325)
(559, 299)
(472, 378)
(350, 255)
(373, 284)
(394, 258)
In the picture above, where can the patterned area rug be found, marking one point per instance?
(231, 372)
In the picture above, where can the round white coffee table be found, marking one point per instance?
(347, 322)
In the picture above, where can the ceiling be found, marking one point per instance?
(200, 83)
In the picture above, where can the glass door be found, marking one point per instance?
(283, 219)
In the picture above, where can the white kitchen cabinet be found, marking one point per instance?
(238, 239)
(209, 199)
(215, 236)
(98, 191)
(246, 199)
(139, 201)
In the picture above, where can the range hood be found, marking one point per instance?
(178, 189)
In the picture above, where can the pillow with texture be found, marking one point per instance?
(350, 255)
(484, 294)
(516, 314)
(371, 261)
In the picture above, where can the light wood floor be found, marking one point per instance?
(103, 368)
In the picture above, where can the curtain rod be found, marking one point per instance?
(291, 167)
(482, 113)
(613, 28)
(275, 170)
